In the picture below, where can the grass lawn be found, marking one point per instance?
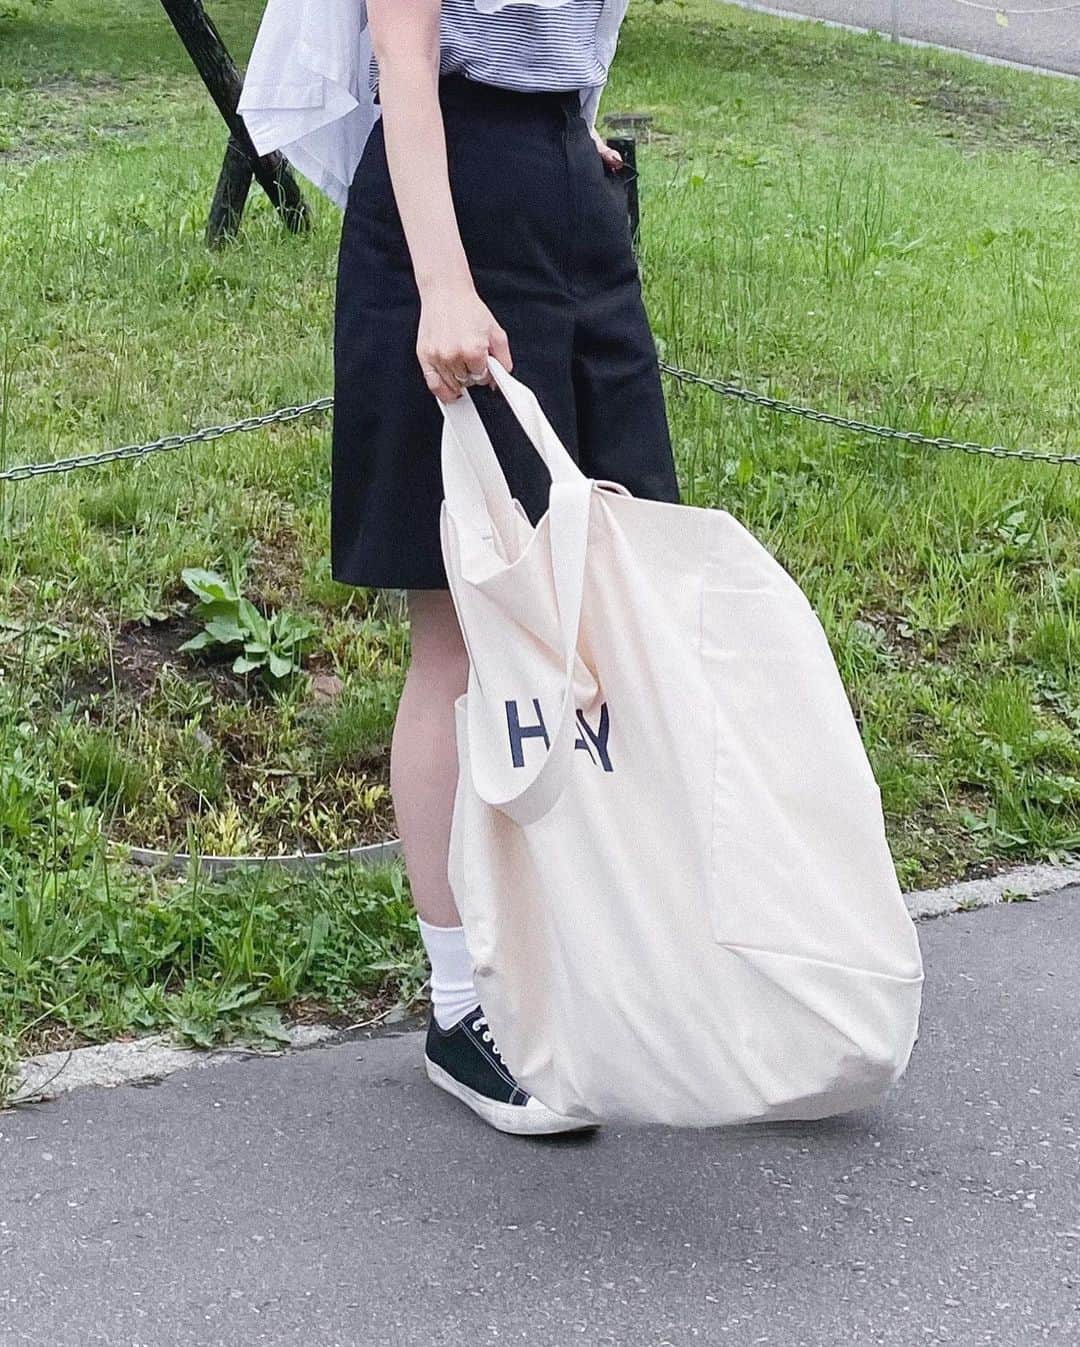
(884, 232)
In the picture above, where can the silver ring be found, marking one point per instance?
(470, 380)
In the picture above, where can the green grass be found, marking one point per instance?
(106, 952)
(882, 232)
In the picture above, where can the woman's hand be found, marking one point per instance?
(612, 158)
(457, 332)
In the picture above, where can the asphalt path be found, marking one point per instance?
(1048, 38)
(332, 1198)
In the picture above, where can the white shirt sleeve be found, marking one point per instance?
(306, 93)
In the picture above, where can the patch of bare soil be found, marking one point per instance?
(138, 655)
(977, 120)
(61, 116)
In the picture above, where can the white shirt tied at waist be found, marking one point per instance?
(307, 93)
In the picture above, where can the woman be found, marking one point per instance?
(485, 216)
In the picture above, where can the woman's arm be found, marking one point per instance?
(457, 330)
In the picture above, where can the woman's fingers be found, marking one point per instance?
(445, 369)
(456, 334)
(476, 362)
(445, 388)
(500, 349)
(464, 364)
(468, 368)
(611, 157)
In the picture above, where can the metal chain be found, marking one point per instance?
(864, 427)
(166, 442)
(1018, 13)
(169, 442)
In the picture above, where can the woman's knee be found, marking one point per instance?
(437, 648)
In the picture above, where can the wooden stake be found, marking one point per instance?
(223, 81)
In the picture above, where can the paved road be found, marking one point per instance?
(331, 1198)
(1048, 40)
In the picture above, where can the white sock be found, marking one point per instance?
(453, 994)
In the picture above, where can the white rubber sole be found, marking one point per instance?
(523, 1120)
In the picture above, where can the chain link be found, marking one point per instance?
(170, 442)
(1018, 13)
(167, 442)
(864, 427)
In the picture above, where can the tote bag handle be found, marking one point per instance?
(476, 491)
(530, 416)
(535, 790)
(473, 482)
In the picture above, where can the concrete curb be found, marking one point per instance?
(150, 1059)
(756, 7)
(1027, 882)
(214, 867)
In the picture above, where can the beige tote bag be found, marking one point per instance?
(667, 848)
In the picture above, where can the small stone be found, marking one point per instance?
(326, 687)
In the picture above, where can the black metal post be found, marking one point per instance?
(627, 147)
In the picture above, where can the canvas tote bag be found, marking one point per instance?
(667, 847)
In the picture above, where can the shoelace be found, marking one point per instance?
(487, 1037)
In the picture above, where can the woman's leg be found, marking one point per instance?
(460, 1055)
(423, 778)
(423, 755)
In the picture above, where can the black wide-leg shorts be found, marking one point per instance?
(546, 234)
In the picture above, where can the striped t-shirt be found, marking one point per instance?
(522, 46)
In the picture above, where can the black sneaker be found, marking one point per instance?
(465, 1062)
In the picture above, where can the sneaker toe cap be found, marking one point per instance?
(557, 1122)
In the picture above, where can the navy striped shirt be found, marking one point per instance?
(524, 46)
